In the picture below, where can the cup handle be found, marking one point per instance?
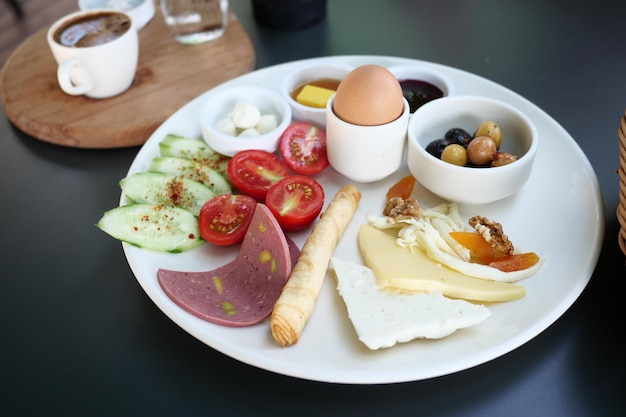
(65, 81)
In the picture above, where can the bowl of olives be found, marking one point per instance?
(471, 149)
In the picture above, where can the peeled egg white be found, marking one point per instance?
(369, 95)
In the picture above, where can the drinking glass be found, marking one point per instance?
(195, 21)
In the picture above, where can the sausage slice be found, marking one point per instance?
(244, 291)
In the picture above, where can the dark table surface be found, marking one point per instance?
(80, 337)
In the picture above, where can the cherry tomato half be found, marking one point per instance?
(303, 147)
(295, 201)
(224, 219)
(253, 172)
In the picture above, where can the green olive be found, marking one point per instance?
(481, 149)
(490, 129)
(454, 154)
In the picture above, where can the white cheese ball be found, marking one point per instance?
(249, 133)
(245, 115)
(267, 123)
(226, 126)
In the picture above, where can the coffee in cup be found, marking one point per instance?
(97, 52)
(92, 30)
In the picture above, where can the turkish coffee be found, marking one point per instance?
(93, 29)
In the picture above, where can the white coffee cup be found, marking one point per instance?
(96, 70)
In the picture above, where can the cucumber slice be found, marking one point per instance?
(194, 149)
(166, 189)
(150, 226)
(193, 170)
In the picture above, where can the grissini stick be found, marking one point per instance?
(297, 300)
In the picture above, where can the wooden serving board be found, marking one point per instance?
(169, 75)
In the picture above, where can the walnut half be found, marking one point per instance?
(401, 209)
(493, 233)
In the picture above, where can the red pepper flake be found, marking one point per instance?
(175, 191)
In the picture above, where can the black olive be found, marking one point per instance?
(458, 135)
(436, 147)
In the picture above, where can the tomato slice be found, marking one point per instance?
(303, 147)
(224, 219)
(253, 172)
(295, 201)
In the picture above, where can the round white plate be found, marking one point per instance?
(558, 214)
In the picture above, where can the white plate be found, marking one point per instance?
(558, 214)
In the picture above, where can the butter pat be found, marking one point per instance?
(383, 318)
(314, 96)
(400, 268)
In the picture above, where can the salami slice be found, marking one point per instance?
(244, 291)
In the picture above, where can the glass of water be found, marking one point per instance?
(195, 21)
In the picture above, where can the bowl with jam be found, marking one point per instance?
(308, 89)
(421, 84)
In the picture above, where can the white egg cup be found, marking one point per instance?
(365, 153)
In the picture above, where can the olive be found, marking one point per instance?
(458, 135)
(491, 129)
(436, 147)
(481, 149)
(454, 154)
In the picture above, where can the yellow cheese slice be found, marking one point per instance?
(397, 267)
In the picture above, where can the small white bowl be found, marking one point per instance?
(467, 185)
(365, 154)
(219, 105)
(303, 75)
(423, 73)
(140, 11)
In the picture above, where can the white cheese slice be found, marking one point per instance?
(383, 317)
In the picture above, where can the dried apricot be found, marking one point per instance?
(402, 188)
(516, 262)
(480, 250)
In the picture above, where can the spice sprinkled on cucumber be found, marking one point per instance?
(152, 226)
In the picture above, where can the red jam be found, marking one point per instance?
(418, 92)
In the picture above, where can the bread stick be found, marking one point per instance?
(297, 300)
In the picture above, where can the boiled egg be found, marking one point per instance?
(369, 95)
